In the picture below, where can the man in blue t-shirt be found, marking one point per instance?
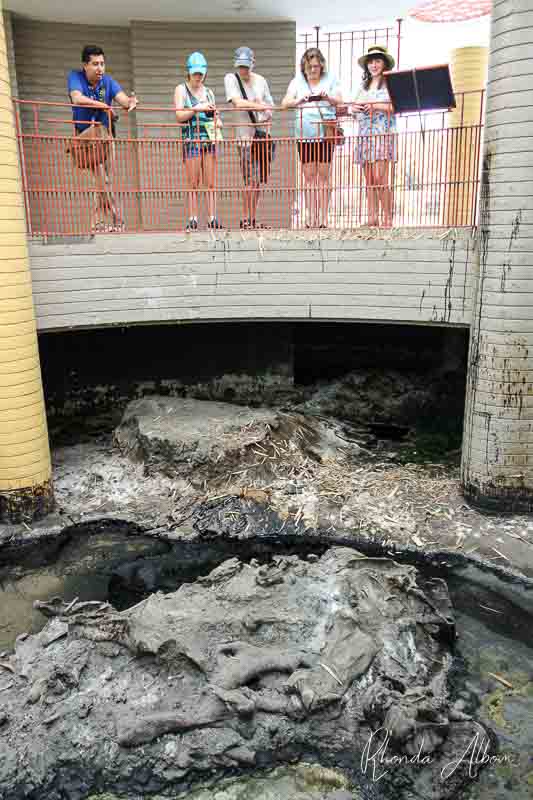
(92, 92)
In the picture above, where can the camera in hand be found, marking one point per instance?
(315, 98)
(209, 114)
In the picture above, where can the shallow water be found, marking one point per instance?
(82, 568)
(490, 645)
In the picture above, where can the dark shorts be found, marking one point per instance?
(197, 149)
(256, 159)
(250, 167)
(320, 151)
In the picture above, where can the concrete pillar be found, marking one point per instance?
(468, 67)
(497, 468)
(25, 472)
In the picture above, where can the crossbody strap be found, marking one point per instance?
(251, 114)
(194, 100)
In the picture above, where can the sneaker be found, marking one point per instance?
(192, 224)
(214, 224)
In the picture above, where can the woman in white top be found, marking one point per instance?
(376, 147)
(317, 95)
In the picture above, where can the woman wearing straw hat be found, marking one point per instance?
(196, 112)
(376, 147)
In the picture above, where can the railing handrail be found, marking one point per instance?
(227, 107)
(434, 177)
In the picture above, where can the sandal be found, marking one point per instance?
(101, 227)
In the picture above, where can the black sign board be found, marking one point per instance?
(421, 89)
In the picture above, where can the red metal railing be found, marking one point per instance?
(433, 180)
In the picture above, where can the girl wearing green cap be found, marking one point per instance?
(196, 112)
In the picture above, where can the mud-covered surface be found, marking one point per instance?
(376, 480)
(492, 608)
(274, 485)
(298, 782)
(250, 664)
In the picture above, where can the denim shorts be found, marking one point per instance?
(197, 149)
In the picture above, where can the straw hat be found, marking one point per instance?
(379, 51)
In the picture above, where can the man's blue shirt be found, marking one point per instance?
(104, 91)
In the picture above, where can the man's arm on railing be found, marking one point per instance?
(233, 95)
(249, 105)
(127, 103)
(80, 99)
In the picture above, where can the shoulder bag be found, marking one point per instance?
(332, 129)
(263, 146)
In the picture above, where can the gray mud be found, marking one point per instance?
(269, 489)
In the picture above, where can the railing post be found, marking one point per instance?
(399, 35)
(133, 136)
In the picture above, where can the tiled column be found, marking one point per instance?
(497, 468)
(468, 66)
(25, 472)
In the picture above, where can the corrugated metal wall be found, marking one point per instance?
(159, 52)
(41, 77)
(8, 28)
(150, 58)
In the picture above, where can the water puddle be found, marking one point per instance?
(81, 565)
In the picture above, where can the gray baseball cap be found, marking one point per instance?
(244, 57)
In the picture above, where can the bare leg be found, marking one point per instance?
(209, 168)
(193, 172)
(324, 191)
(310, 172)
(253, 196)
(373, 211)
(103, 203)
(250, 199)
(246, 167)
(385, 192)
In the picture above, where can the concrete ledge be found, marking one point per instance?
(405, 275)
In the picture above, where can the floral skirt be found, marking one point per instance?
(376, 147)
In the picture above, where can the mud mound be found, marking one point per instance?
(200, 440)
(321, 659)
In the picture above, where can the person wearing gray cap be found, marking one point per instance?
(249, 94)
